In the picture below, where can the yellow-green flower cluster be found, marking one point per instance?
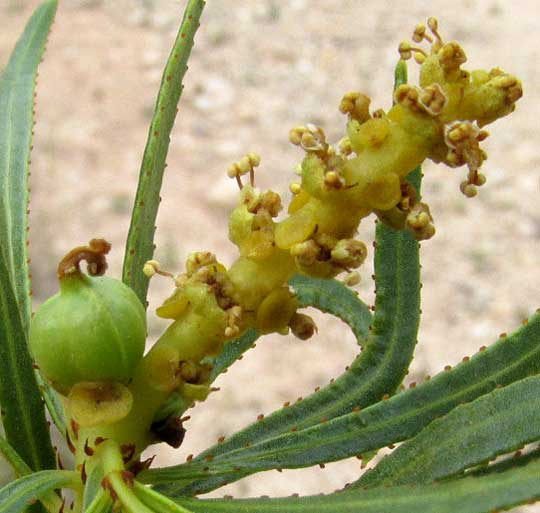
(439, 119)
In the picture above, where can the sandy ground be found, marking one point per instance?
(259, 68)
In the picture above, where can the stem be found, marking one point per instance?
(156, 501)
(125, 494)
(102, 502)
(119, 480)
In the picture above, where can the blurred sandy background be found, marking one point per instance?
(259, 68)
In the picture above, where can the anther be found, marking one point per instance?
(295, 188)
(356, 105)
(153, 267)
(344, 146)
(310, 137)
(406, 50)
(419, 34)
(243, 166)
(351, 279)
(433, 25)
(302, 326)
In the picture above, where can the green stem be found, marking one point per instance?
(111, 457)
(102, 502)
(156, 501)
(126, 496)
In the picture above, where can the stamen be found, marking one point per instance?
(153, 267)
(433, 25)
(243, 166)
(420, 35)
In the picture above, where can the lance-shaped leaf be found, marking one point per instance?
(17, 86)
(17, 496)
(514, 461)
(140, 242)
(486, 494)
(401, 417)
(49, 499)
(23, 414)
(499, 422)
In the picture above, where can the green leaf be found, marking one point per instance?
(499, 422)
(401, 417)
(467, 495)
(231, 352)
(514, 461)
(17, 86)
(17, 496)
(53, 403)
(140, 242)
(92, 487)
(11, 456)
(23, 415)
(50, 499)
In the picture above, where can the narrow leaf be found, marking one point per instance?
(50, 499)
(499, 422)
(401, 417)
(23, 415)
(514, 461)
(18, 495)
(93, 488)
(231, 352)
(140, 242)
(467, 495)
(10, 454)
(17, 86)
(53, 402)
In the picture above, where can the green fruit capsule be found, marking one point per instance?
(93, 330)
